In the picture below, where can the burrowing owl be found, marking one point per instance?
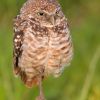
(42, 41)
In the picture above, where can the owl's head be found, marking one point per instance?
(46, 12)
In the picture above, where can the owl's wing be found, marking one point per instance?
(17, 43)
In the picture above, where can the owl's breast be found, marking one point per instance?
(51, 53)
(34, 54)
(60, 52)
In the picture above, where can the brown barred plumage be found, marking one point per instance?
(42, 41)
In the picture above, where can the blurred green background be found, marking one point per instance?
(80, 81)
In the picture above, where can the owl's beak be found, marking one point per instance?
(52, 20)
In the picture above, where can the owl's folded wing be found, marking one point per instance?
(17, 43)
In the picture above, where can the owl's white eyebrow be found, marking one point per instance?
(30, 16)
(58, 9)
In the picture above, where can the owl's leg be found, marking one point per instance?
(41, 95)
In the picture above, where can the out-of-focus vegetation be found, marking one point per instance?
(80, 81)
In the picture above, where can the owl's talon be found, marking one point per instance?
(41, 97)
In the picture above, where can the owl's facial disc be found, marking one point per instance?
(49, 19)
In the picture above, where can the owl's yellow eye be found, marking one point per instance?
(40, 13)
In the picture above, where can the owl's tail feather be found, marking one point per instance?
(29, 82)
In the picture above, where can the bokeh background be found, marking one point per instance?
(80, 81)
